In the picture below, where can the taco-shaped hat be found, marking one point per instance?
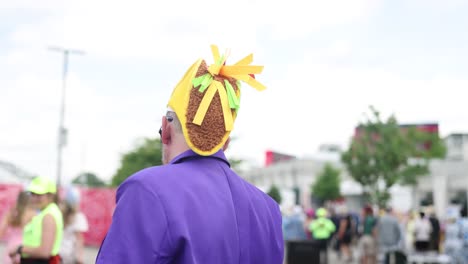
(207, 99)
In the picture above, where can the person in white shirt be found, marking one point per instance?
(453, 245)
(75, 224)
(422, 233)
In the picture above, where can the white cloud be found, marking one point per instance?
(436, 4)
(30, 4)
(299, 18)
(149, 29)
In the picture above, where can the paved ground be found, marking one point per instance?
(90, 253)
(333, 257)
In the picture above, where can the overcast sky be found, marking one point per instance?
(325, 63)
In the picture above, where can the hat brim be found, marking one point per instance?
(37, 190)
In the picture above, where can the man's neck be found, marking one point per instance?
(177, 153)
(178, 148)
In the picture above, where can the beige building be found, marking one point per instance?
(446, 183)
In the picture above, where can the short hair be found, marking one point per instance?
(368, 210)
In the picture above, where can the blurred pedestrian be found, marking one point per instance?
(453, 243)
(12, 223)
(463, 223)
(389, 236)
(322, 229)
(310, 216)
(195, 208)
(335, 218)
(422, 233)
(293, 224)
(75, 225)
(367, 243)
(346, 234)
(434, 241)
(409, 231)
(43, 234)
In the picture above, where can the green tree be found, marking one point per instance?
(235, 162)
(89, 179)
(327, 185)
(275, 194)
(383, 154)
(145, 154)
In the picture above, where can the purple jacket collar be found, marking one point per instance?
(190, 154)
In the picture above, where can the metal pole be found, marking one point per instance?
(62, 133)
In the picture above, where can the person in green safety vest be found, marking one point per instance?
(322, 229)
(43, 234)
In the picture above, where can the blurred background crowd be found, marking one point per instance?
(370, 235)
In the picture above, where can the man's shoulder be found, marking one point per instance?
(167, 178)
(159, 174)
(155, 171)
(146, 178)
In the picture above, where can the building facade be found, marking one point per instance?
(457, 146)
(447, 182)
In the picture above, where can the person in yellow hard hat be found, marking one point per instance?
(43, 234)
(322, 229)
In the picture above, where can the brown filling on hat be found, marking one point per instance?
(211, 132)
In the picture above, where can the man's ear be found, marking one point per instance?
(226, 144)
(166, 135)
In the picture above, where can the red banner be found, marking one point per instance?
(96, 203)
(8, 195)
(272, 157)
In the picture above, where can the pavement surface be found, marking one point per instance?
(90, 253)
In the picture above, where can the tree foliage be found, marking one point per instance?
(275, 194)
(145, 154)
(327, 185)
(89, 179)
(235, 162)
(383, 154)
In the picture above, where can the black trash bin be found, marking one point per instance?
(302, 252)
(395, 257)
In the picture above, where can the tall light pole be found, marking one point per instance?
(62, 133)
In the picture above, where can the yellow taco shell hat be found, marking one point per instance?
(207, 98)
